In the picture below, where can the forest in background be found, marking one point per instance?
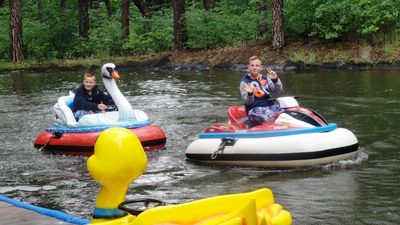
(79, 29)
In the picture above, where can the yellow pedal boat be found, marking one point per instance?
(119, 158)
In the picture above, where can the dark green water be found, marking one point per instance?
(365, 190)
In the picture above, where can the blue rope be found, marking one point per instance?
(48, 212)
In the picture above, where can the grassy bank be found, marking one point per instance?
(311, 54)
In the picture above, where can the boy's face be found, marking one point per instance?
(255, 67)
(89, 83)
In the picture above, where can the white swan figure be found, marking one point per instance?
(124, 116)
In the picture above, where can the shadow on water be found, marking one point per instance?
(359, 191)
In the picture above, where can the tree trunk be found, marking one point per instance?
(107, 3)
(95, 4)
(125, 19)
(16, 30)
(141, 7)
(40, 10)
(208, 4)
(146, 13)
(278, 38)
(63, 5)
(83, 18)
(180, 33)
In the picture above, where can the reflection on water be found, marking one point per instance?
(360, 191)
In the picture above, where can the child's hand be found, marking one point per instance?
(248, 88)
(101, 107)
(271, 74)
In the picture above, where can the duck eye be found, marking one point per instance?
(109, 69)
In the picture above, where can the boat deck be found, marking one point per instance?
(11, 214)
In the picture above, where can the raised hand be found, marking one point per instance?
(271, 74)
(248, 88)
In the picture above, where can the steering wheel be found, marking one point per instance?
(111, 108)
(148, 203)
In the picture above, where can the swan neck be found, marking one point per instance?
(124, 108)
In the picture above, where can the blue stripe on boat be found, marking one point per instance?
(264, 134)
(64, 129)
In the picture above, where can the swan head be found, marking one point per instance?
(108, 71)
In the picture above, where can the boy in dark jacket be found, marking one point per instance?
(89, 98)
(255, 90)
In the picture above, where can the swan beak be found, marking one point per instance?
(115, 75)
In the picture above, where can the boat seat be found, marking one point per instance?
(62, 109)
(237, 116)
(69, 102)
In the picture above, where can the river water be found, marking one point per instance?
(364, 190)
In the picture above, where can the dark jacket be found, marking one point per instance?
(88, 102)
(265, 85)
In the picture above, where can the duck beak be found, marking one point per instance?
(115, 75)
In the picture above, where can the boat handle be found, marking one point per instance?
(55, 135)
(226, 141)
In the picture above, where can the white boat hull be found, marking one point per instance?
(287, 151)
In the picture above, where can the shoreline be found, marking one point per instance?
(294, 57)
(156, 66)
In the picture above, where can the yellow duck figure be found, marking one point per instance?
(119, 159)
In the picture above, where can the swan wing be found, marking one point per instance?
(64, 115)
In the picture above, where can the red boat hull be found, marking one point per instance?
(152, 137)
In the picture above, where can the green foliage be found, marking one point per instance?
(105, 36)
(151, 35)
(52, 33)
(4, 34)
(335, 20)
(337, 55)
(219, 28)
(304, 57)
(150, 42)
(380, 14)
(298, 17)
(51, 36)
